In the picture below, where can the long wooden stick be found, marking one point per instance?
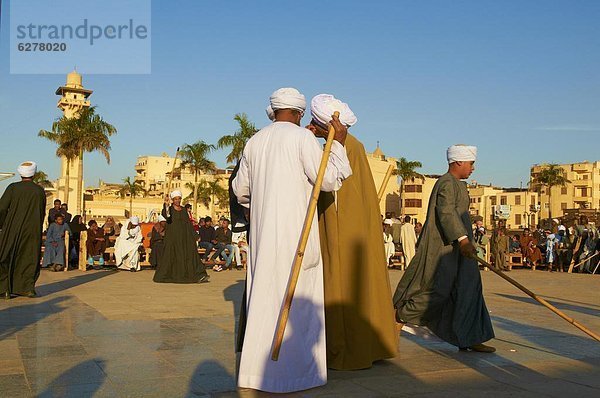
(587, 259)
(386, 180)
(539, 299)
(577, 245)
(168, 186)
(310, 213)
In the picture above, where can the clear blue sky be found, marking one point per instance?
(520, 79)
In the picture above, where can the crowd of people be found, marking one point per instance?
(556, 248)
(343, 315)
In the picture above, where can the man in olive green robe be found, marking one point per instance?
(441, 289)
(359, 322)
(22, 210)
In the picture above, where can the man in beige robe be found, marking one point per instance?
(360, 327)
(409, 240)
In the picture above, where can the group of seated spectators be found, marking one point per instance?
(222, 246)
(556, 248)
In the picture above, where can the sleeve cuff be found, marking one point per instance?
(460, 239)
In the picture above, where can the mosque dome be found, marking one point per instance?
(74, 80)
(378, 153)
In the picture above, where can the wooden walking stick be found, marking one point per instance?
(577, 245)
(168, 186)
(386, 180)
(310, 213)
(538, 299)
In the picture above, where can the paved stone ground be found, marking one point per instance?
(109, 334)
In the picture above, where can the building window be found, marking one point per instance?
(478, 200)
(518, 201)
(563, 206)
(413, 188)
(493, 201)
(518, 219)
(503, 200)
(412, 203)
(546, 205)
(563, 191)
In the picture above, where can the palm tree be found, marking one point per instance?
(66, 149)
(133, 188)
(194, 158)
(237, 140)
(209, 191)
(85, 132)
(41, 179)
(552, 175)
(405, 169)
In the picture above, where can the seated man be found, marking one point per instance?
(223, 237)
(240, 244)
(207, 237)
(95, 243)
(54, 253)
(127, 246)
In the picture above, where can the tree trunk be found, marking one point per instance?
(550, 202)
(80, 182)
(402, 197)
(195, 201)
(130, 204)
(68, 177)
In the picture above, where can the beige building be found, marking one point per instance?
(485, 200)
(415, 198)
(152, 173)
(73, 98)
(379, 164)
(582, 192)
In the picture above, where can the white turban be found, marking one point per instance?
(27, 169)
(270, 113)
(562, 228)
(323, 105)
(287, 98)
(461, 153)
(175, 194)
(135, 220)
(161, 218)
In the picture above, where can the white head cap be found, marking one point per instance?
(135, 220)
(175, 194)
(27, 169)
(323, 105)
(287, 98)
(461, 153)
(562, 228)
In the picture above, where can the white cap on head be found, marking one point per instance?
(175, 194)
(322, 107)
(461, 153)
(135, 220)
(161, 218)
(27, 169)
(562, 228)
(287, 98)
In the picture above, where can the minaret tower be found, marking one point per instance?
(73, 98)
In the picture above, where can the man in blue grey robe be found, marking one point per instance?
(441, 289)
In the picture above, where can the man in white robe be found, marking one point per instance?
(127, 244)
(277, 171)
(408, 237)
